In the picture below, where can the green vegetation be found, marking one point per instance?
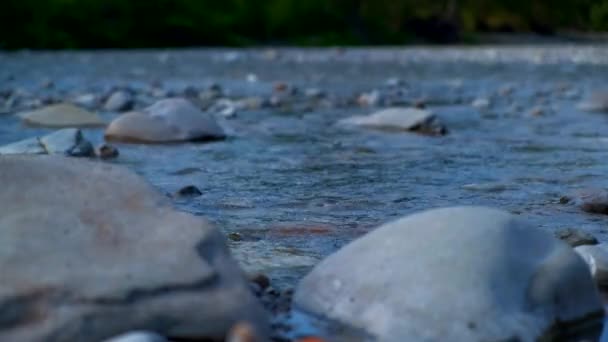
(155, 23)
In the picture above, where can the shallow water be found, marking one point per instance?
(297, 186)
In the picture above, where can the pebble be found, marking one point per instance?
(481, 103)
(106, 151)
(575, 237)
(261, 280)
(370, 99)
(234, 236)
(189, 191)
(314, 93)
(86, 100)
(119, 101)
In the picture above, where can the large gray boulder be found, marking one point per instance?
(456, 274)
(89, 251)
(170, 120)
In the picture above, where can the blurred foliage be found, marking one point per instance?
(156, 23)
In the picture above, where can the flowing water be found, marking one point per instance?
(296, 186)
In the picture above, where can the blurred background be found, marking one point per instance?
(59, 24)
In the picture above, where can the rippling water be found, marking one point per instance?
(296, 186)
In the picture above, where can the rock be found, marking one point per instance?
(457, 274)
(170, 120)
(400, 119)
(370, 99)
(68, 141)
(119, 101)
(589, 200)
(575, 237)
(138, 336)
(111, 256)
(189, 191)
(61, 115)
(105, 151)
(261, 280)
(86, 100)
(314, 93)
(481, 103)
(596, 257)
(225, 108)
(595, 102)
(27, 146)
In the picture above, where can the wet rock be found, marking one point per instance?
(457, 274)
(106, 151)
(400, 119)
(214, 92)
(261, 280)
(61, 115)
(314, 93)
(119, 101)
(111, 257)
(86, 100)
(595, 102)
(575, 237)
(234, 236)
(370, 99)
(189, 191)
(481, 103)
(589, 200)
(68, 141)
(225, 108)
(27, 146)
(596, 257)
(138, 336)
(170, 120)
